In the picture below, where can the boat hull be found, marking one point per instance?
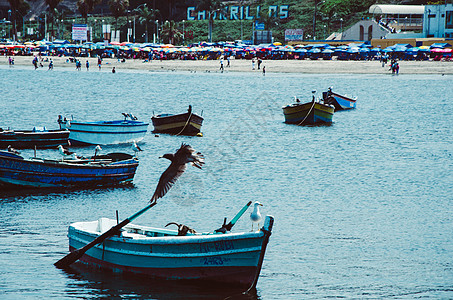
(177, 124)
(340, 102)
(40, 173)
(30, 139)
(106, 132)
(228, 258)
(308, 113)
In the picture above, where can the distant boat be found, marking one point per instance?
(229, 258)
(339, 101)
(39, 137)
(113, 168)
(105, 132)
(187, 123)
(309, 113)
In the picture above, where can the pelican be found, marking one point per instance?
(136, 148)
(12, 150)
(185, 154)
(255, 216)
(97, 149)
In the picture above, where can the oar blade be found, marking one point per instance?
(69, 259)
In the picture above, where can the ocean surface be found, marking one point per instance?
(363, 208)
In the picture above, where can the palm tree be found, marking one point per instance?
(118, 7)
(20, 7)
(169, 32)
(52, 5)
(147, 16)
(211, 7)
(86, 6)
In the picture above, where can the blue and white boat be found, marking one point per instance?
(229, 258)
(109, 169)
(339, 101)
(105, 132)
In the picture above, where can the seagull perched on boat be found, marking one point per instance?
(65, 152)
(12, 150)
(136, 148)
(97, 149)
(185, 154)
(255, 216)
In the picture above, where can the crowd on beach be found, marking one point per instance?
(216, 51)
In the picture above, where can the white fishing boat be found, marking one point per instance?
(230, 258)
(105, 132)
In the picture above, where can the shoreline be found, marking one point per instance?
(243, 65)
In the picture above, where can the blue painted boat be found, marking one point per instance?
(229, 258)
(105, 132)
(339, 101)
(113, 168)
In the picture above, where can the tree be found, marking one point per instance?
(118, 7)
(20, 7)
(52, 5)
(147, 16)
(211, 7)
(169, 33)
(86, 6)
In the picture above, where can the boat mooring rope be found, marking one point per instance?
(308, 113)
(187, 122)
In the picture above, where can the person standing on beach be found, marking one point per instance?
(259, 63)
(221, 64)
(50, 65)
(264, 70)
(88, 65)
(99, 62)
(253, 63)
(228, 61)
(113, 70)
(35, 62)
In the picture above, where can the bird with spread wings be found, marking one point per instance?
(185, 154)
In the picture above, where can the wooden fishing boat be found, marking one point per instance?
(105, 132)
(113, 168)
(39, 137)
(339, 101)
(187, 123)
(229, 258)
(308, 113)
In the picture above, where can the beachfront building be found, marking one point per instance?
(438, 21)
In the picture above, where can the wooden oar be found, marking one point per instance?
(227, 227)
(75, 255)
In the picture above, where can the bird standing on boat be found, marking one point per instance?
(65, 152)
(255, 216)
(185, 154)
(136, 148)
(12, 150)
(97, 149)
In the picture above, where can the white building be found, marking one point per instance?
(438, 21)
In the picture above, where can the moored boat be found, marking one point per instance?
(113, 168)
(340, 102)
(187, 123)
(309, 113)
(105, 132)
(230, 258)
(39, 137)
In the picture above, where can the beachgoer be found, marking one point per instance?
(253, 63)
(88, 65)
(259, 63)
(221, 64)
(113, 70)
(228, 61)
(50, 65)
(99, 62)
(264, 70)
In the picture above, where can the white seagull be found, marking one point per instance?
(97, 149)
(65, 152)
(136, 148)
(255, 216)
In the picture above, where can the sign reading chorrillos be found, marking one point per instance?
(294, 35)
(235, 12)
(79, 32)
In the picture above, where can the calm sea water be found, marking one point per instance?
(363, 208)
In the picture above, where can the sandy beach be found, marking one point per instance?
(272, 66)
